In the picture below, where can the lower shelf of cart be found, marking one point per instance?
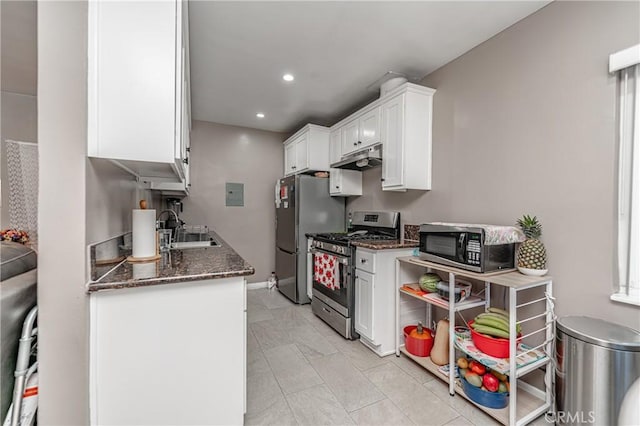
(527, 403)
(529, 360)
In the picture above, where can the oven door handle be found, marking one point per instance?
(342, 259)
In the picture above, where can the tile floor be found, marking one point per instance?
(301, 372)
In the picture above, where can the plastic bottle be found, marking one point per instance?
(349, 222)
(272, 282)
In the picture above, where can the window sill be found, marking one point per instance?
(633, 298)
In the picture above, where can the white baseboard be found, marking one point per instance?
(255, 286)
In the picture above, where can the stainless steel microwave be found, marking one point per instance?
(463, 247)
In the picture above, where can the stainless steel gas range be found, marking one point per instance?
(333, 275)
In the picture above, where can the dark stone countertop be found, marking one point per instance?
(177, 266)
(384, 244)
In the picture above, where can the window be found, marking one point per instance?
(627, 64)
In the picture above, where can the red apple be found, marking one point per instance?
(490, 382)
(477, 368)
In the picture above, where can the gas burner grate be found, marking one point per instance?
(375, 237)
(346, 237)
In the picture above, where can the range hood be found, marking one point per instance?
(364, 159)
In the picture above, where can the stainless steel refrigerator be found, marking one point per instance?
(303, 206)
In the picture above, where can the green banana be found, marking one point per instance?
(492, 322)
(499, 318)
(491, 331)
(499, 311)
(504, 314)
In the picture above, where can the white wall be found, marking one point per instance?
(525, 124)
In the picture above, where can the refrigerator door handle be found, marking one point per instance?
(287, 251)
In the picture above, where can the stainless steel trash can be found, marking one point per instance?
(597, 361)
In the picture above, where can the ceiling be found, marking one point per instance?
(336, 50)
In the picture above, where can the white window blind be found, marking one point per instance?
(627, 64)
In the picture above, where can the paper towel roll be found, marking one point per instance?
(144, 233)
(144, 270)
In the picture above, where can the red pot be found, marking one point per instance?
(494, 346)
(418, 346)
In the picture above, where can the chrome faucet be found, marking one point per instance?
(175, 216)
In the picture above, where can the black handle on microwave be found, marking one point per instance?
(462, 247)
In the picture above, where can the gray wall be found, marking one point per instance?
(81, 201)
(63, 342)
(525, 123)
(111, 195)
(18, 102)
(18, 123)
(220, 154)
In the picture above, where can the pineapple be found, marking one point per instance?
(532, 254)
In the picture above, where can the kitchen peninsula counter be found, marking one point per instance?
(174, 266)
(156, 344)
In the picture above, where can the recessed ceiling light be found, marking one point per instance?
(260, 115)
(287, 77)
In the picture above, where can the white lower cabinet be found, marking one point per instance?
(375, 298)
(169, 354)
(365, 288)
(345, 183)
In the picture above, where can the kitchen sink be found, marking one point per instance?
(181, 245)
(190, 237)
(186, 240)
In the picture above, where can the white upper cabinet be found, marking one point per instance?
(138, 86)
(289, 158)
(345, 183)
(362, 131)
(369, 128)
(349, 137)
(302, 152)
(307, 150)
(401, 122)
(392, 152)
(335, 146)
(342, 183)
(406, 138)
